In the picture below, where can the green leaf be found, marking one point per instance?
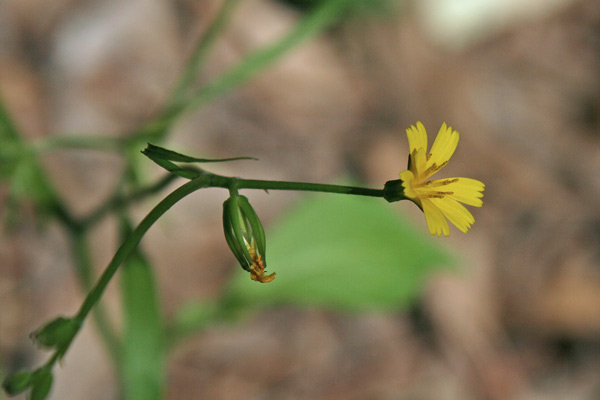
(27, 179)
(187, 173)
(343, 252)
(143, 337)
(192, 317)
(159, 153)
(29, 182)
(357, 7)
(8, 129)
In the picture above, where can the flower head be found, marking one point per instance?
(439, 198)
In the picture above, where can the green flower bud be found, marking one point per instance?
(17, 382)
(41, 383)
(245, 236)
(57, 333)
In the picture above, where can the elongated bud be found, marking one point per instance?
(246, 237)
(57, 333)
(41, 383)
(17, 383)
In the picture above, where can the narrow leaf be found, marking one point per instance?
(187, 173)
(143, 338)
(159, 153)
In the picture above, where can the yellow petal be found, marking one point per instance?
(436, 222)
(407, 178)
(418, 163)
(455, 212)
(443, 147)
(466, 190)
(417, 137)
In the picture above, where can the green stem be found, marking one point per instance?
(46, 196)
(119, 201)
(126, 249)
(133, 240)
(239, 183)
(162, 158)
(203, 47)
(233, 184)
(83, 264)
(97, 143)
(52, 360)
(326, 13)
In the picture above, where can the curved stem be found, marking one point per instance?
(124, 252)
(83, 265)
(133, 240)
(203, 181)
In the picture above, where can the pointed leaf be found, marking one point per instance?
(143, 342)
(159, 153)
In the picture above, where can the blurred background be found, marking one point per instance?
(509, 311)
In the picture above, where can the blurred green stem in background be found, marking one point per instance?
(315, 22)
(20, 166)
(84, 266)
(202, 50)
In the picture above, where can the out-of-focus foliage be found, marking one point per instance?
(357, 6)
(143, 339)
(342, 252)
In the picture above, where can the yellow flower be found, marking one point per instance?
(439, 199)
